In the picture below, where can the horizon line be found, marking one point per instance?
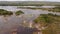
(38, 1)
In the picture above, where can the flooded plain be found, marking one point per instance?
(12, 22)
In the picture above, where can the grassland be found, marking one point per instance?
(52, 22)
(56, 9)
(28, 3)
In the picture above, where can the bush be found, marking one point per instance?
(19, 12)
(5, 12)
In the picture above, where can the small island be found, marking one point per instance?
(5, 12)
(19, 12)
(55, 9)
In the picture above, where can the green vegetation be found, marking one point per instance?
(44, 18)
(5, 12)
(36, 8)
(56, 9)
(28, 3)
(19, 12)
(50, 21)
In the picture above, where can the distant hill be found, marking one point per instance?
(27, 3)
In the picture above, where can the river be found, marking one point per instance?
(15, 21)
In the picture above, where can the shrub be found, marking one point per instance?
(19, 12)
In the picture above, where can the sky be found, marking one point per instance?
(32, 0)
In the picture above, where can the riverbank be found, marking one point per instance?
(50, 23)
